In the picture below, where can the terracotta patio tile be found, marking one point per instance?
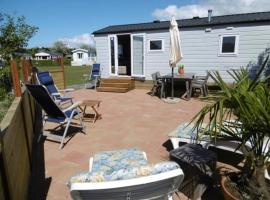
(132, 119)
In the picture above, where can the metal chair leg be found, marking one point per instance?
(162, 90)
(66, 129)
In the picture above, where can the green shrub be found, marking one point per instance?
(5, 104)
(5, 81)
(49, 63)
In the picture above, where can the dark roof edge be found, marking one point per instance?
(251, 13)
(154, 29)
(146, 24)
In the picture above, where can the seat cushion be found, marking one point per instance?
(109, 161)
(124, 173)
(184, 130)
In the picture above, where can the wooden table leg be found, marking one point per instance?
(97, 115)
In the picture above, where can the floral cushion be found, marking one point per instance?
(109, 161)
(186, 131)
(125, 173)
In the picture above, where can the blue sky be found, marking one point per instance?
(73, 21)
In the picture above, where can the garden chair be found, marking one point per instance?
(46, 79)
(200, 82)
(93, 77)
(158, 86)
(55, 114)
(125, 174)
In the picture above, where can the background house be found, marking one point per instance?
(209, 43)
(47, 55)
(42, 56)
(81, 57)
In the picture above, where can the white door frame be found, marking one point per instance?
(115, 54)
(131, 46)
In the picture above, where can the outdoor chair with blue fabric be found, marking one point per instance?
(126, 174)
(54, 113)
(93, 78)
(46, 79)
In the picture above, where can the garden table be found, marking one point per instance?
(187, 77)
(94, 104)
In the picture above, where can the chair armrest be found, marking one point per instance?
(67, 90)
(200, 77)
(56, 94)
(75, 105)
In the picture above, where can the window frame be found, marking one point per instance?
(156, 50)
(236, 45)
(80, 55)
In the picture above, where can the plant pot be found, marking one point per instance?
(227, 195)
(181, 71)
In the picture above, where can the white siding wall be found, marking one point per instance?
(102, 48)
(200, 49)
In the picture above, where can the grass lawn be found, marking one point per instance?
(73, 75)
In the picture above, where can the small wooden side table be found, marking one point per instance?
(94, 104)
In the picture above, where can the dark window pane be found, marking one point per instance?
(112, 55)
(156, 45)
(228, 44)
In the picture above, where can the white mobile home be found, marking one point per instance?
(81, 57)
(209, 43)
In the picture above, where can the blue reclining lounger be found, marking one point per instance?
(53, 112)
(46, 79)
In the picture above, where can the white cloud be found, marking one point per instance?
(219, 7)
(77, 41)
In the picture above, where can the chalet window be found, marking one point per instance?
(80, 55)
(228, 45)
(156, 45)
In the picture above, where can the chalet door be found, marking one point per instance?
(113, 52)
(137, 55)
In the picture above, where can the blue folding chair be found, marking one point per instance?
(46, 79)
(93, 77)
(53, 113)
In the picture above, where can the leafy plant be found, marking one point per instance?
(242, 112)
(181, 66)
(14, 35)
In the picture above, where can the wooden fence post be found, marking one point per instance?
(15, 79)
(63, 70)
(30, 66)
(25, 71)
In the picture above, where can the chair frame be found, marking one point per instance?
(200, 82)
(174, 176)
(158, 86)
(91, 77)
(74, 108)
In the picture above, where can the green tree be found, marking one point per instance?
(91, 50)
(60, 47)
(14, 35)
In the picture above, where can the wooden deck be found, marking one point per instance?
(118, 84)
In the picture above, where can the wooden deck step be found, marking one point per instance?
(116, 85)
(112, 89)
(117, 80)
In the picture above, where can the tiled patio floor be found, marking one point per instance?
(133, 119)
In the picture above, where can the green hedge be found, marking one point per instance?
(49, 63)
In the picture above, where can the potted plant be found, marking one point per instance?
(181, 69)
(242, 113)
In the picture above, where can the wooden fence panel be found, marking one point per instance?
(15, 151)
(16, 140)
(2, 184)
(58, 78)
